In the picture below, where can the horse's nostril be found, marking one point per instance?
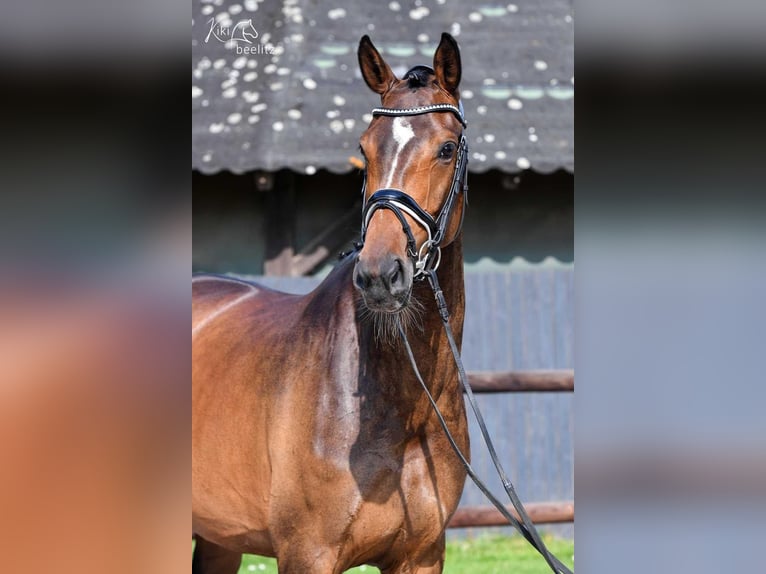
(382, 281)
(395, 276)
(361, 279)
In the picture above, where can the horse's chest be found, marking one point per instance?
(409, 501)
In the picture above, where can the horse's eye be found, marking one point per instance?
(447, 151)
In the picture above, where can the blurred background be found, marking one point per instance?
(95, 245)
(278, 106)
(671, 433)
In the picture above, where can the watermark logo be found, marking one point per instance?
(244, 31)
(238, 37)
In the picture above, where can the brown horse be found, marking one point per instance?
(312, 440)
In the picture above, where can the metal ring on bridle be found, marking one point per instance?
(421, 263)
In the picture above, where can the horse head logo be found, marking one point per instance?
(244, 31)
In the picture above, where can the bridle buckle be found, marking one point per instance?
(428, 259)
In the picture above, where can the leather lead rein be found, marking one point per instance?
(526, 527)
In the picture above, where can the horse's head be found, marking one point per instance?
(413, 175)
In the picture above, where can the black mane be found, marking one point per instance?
(419, 77)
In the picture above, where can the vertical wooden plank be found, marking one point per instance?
(518, 471)
(564, 305)
(530, 337)
(486, 310)
(471, 328)
(280, 225)
(549, 426)
(564, 357)
(508, 315)
(501, 319)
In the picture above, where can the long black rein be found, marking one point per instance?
(426, 261)
(526, 527)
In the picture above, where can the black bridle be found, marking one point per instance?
(428, 256)
(426, 261)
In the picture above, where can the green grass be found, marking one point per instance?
(485, 555)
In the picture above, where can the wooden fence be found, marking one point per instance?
(518, 382)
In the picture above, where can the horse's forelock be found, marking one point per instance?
(419, 77)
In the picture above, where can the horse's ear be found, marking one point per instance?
(375, 71)
(447, 64)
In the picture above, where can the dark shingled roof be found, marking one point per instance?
(304, 105)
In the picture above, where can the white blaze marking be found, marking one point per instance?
(402, 135)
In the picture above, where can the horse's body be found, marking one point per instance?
(312, 440)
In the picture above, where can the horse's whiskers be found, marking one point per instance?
(386, 325)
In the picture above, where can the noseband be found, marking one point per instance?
(428, 256)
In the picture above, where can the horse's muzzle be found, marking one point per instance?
(385, 283)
